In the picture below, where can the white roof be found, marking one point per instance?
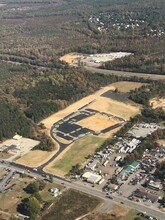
(17, 137)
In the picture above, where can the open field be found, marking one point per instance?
(9, 200)
(76, 153)
(71, 205)
(116, 108)
(158, 103)
(35, 158)
(125, 86)
(119, 213)
(97, 122)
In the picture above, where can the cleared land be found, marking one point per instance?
(71, 205)
(35, 158)
(119, 213)
(96, 60)
(48, 122)
(76, 153)
(158, 103)
(97, 122)
(113, 107)
(125, 86)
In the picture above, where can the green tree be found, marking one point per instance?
(32, 187)
(30, 207)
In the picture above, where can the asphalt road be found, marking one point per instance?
(89, 190)
(123, 73)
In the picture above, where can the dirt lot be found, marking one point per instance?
(35, 158)
(125, 86)
(158, 103)
(23, 146)
(119, 109)
(92, 59)
(97, 122)
(71, 58)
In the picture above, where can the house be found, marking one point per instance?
(54, 191)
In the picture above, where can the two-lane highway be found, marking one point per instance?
(87, 189)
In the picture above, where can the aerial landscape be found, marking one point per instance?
(82, 110)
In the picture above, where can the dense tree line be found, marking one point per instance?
(154, 64)
(57, 91)
(13, 121)
(143, 94)
(46, 144)
(160, 171)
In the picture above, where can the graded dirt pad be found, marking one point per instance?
(125, 86)
(70, 58)
(48, 122)
(158, 103)
(115, 108)
(97, 122)
(92, 59)
(35, 158)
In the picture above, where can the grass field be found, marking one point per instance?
(35, 158)
(46, 195)
(76, 153)
(71, 205)
(97, 122)
(125, 86)
(116, 108)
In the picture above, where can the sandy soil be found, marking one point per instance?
(71, 58)
(35, 158)
(48, 122)
(115, 108)
(158, 103)
(97, 122)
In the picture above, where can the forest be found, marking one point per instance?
(34, 83)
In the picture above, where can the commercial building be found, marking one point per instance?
(91, 177)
